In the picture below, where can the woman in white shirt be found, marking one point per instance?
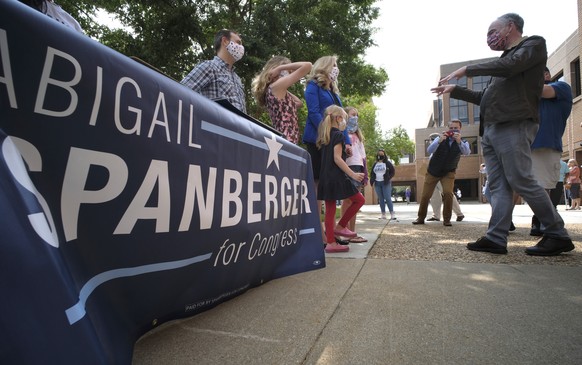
(381, 179)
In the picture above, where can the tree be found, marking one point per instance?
(397, 144)
(174, 35)
(368, 125)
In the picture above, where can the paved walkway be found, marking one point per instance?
(378, 311)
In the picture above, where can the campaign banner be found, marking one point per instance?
(127, 199)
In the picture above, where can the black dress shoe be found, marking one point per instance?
(418, 221)
(460, 218)
(484, 245)
(512, 227)
(551, 246)
(535, 231)
(433, 219)
(447, 223)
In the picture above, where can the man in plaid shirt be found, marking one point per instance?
(216, 78)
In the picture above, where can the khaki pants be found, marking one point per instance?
(430, 182)
(436, 202)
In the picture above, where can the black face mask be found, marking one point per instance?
(380, 158)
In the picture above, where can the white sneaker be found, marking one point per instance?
(392, 217)
(383, 216)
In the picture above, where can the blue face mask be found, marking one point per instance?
(352, 124)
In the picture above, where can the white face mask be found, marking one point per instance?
(284, 73)
(235, 50)
(334, 73)
(342, 124)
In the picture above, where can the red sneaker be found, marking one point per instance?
(334, 247)
(344, 232)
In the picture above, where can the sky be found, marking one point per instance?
(414, 37)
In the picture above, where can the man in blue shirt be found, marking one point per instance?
(216, 78)
(546, 149)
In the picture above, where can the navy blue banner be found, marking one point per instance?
(127, 199)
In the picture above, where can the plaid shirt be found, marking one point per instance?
(214, 80)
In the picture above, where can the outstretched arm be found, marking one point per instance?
(457, 74)
(442, 89)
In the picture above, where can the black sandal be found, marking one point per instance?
(342, 242)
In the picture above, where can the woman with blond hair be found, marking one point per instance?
(321, 91)
(270, 89)
(573, 179)
(335, 175)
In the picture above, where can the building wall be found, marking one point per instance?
(405, 175)
(561, 61)
(576, 125)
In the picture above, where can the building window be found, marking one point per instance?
(473, 144)
(575, 77)
(479, 84)
(458, 108)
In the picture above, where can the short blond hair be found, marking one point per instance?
(323, 132)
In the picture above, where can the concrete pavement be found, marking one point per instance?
(378, 311)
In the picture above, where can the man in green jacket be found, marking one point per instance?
(509, 108)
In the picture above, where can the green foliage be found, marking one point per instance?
(397, 144)
(174, 35)
(368, 125)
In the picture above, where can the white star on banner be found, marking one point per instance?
(274, 148)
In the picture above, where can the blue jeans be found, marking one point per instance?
(507, 153)
(487, 192)
(384, 192)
